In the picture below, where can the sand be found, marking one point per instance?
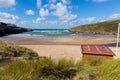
(58, 48)
(57, 52)
(100, 39)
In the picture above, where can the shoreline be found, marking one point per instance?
(96, 39)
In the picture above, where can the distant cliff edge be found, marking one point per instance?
(6, 29)
(107, 27)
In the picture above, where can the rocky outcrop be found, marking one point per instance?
(6, 29)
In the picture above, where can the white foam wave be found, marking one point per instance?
(22, 35)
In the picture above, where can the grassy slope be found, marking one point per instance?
(101, 27)
(10, 29)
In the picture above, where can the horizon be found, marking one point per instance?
(57, 14)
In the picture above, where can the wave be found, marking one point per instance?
(22, 35)
(48, 33)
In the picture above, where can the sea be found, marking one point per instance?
(49, 33)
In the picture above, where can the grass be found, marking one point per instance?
(110, 70)
(9, 51)
(47, 69)
(101, 27)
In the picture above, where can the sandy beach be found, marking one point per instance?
(57, 48)
(97, 39)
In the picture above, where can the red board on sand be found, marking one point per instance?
(96, 49)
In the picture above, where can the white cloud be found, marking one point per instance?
(82, 21)
(60, 9)
(7, 3)
(99, 1)
(23, 22)
(52, 1)
(43, 12)
(39, 2)
(65, 1)
(39, 20)
(52, 6)
(114, 16)
(51, 22)
(29, 12)
(68, 17)
(8, 18)
(88, 20)
(62, 12)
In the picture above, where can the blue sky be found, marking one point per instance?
(53, 14)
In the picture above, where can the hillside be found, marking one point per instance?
(11, 29)
(107, 27)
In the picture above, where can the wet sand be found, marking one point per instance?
(60, 41)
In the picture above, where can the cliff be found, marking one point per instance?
(6, 29)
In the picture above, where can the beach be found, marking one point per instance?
(75, 40)
(58, 48)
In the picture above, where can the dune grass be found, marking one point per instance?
(8, 51)
(110, 70)
(47, 69)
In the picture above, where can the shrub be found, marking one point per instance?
(7, 50)
(61, 70)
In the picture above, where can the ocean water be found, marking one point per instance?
(49, 33)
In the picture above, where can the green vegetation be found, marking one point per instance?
(107, 27)
(47, 69)
(11, 29)
(110, 70)
(9, 51)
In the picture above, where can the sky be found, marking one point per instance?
(57, 14)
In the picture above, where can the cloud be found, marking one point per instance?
(60, 9)
(39, 2)
(68, 17)
(23, 22)
(99, 1)
(52, 6)
(65, 1)
(8, 18)
(7, 3)
(114, 16)
(88, 20)
(51, 22)
(29, 12)
(39, 20)
(43, 12)
(62, 12)
(52, 1)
